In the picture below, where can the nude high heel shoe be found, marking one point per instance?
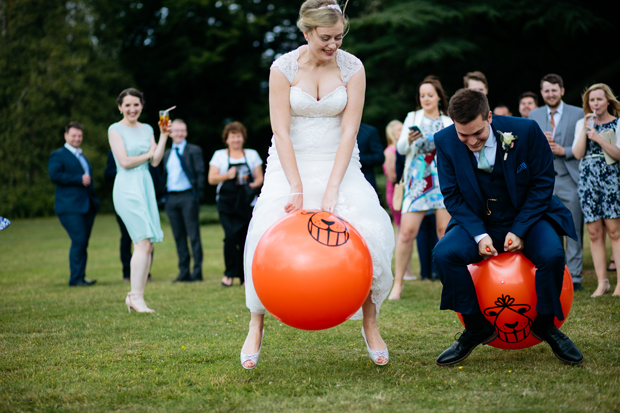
(137, 308)
(254, 357)
(376, 355)
(603, 288)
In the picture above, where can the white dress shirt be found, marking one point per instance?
(490, 150)
(78, 154)
(177, 180)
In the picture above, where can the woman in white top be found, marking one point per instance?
(238, 173)
(599, 176)
(422, 191)
(316, 98)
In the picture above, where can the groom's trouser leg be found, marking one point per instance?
(543, 247)
(451, 255)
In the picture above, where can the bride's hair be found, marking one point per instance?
(318, 13)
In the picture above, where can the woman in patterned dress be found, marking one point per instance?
(422, 191)
(599, 181)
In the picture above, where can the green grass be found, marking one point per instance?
(77, 349)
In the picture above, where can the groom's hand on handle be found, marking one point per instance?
(513, 243)
(486, 249)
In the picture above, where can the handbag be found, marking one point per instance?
(397, 198)
(609, 136)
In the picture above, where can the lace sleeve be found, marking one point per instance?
(287, 64)
(349, 65)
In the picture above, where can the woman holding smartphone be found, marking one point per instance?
(420, 176)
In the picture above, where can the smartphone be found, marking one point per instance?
(414, 129)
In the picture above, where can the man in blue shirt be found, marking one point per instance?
(75, 202)
(184, 177)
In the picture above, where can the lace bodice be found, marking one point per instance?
(315, 124)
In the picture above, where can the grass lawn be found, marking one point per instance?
(77, 349)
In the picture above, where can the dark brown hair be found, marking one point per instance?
(467, 104)
(435, 83)
(553, 79)
(477, 75)
(74, 125)
(130, 92)
(234, 127)
(528, 95)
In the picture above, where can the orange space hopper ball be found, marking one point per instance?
(312, 270)
(507, 297)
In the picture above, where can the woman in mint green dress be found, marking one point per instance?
(133, 145)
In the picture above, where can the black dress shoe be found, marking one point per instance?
(563, 348)
(468, 341)
(577, 287)
(181, 278)
(83, 283)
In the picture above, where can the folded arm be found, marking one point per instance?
(542, 180)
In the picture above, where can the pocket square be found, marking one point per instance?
(522, 167)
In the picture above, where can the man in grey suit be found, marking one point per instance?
(184, 177)
(557, 120)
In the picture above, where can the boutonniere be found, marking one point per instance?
(508, 142)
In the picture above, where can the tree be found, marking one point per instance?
(51, 74)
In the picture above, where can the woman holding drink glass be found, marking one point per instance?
(599, 176)
(134, 147)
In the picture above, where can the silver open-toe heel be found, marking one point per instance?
(254, 357)
(379, 356)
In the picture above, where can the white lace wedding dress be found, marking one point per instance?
(315, 134)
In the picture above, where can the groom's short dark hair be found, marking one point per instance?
(467, 104)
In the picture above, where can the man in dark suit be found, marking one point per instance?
(371, 152)
(558, 120)
(184, 177)
(499, 194)
(75, 202)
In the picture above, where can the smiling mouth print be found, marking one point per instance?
(328, 229)
(511, 323)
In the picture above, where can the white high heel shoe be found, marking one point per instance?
(130, 304)
(375, 355)
(254, 357)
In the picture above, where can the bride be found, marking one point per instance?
(316, 98)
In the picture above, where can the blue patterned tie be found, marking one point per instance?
(483, 162)
(184, 165)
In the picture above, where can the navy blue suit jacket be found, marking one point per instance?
(371, 151)
(528, 172)
(66, 171)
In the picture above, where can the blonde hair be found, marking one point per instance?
(389, 132)
(614, 105)
(317, 13)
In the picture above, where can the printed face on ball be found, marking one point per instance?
(328, 229)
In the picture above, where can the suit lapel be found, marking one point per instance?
(563, 126)
(464, 166)
(73, 159)
(508, 165)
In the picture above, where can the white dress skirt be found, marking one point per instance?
(315, 135)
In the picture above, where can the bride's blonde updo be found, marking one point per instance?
(318, 13)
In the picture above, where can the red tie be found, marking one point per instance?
(552, 120)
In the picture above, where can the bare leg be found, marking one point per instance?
(255, 335)
(442, 219)
(613, 229)
(599, 255)
(409, 226)
(408, 272)
(369, 309)
(140, 264)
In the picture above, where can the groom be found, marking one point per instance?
(500, 199)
